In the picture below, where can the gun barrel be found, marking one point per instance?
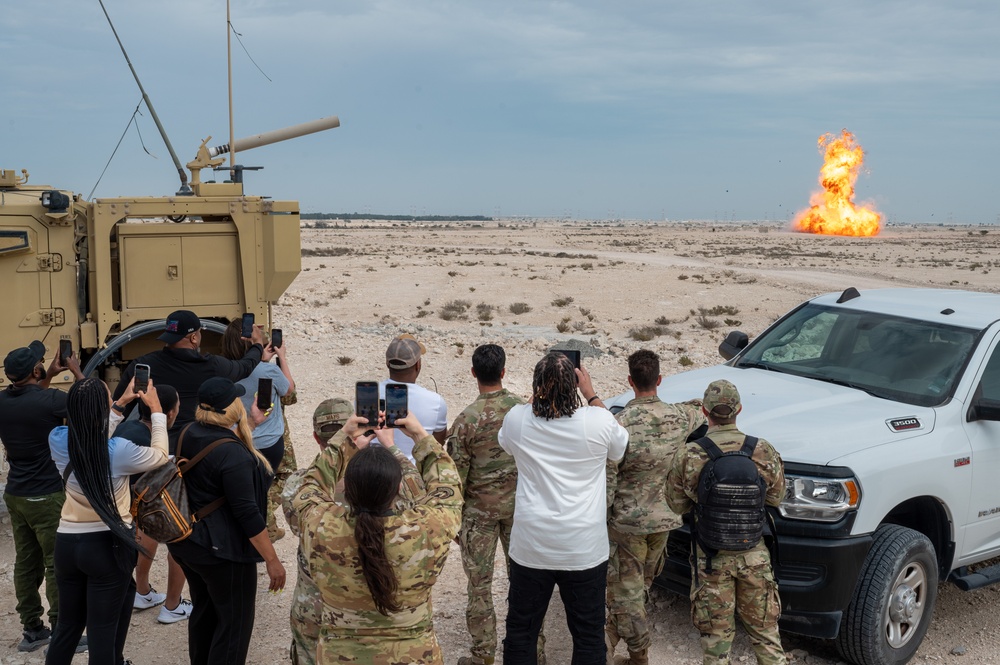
(268, 138)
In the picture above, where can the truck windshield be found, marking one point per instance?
(906, 360)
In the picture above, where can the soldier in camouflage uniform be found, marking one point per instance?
(489, 481)
(638, 517)
(307, 605)
(739, 582)
(416, 543)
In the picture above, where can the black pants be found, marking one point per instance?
(223, 595)
(96, 592)
(274, 453)
(583, 596)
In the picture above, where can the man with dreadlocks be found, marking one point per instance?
(559, 536)
(96, 547)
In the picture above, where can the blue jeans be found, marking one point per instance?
(583, 596)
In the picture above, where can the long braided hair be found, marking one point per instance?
(554, 387)
(370, 485)
(87, 406)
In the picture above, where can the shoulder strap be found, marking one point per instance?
(749, 444)
(208, 508)
(709, 447)
(185, 465)
(180, 440)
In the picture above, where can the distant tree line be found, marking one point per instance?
(349, 216)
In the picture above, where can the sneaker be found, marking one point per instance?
(35, 638)
(82, 645)
(179, 613)
(143, 601)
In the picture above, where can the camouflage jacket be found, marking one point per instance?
(637, 501)
(416, 543)
(685, 469)
(488, 473)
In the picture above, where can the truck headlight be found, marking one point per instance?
(819, 499)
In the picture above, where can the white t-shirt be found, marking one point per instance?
(560, 510)
(426, 405)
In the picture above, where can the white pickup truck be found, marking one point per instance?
(885, 407)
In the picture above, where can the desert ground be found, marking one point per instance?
(614, 287)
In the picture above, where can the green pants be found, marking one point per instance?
(636, 559)
(34, 520)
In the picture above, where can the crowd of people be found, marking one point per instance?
(577, 497)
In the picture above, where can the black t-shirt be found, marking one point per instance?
(27, 415)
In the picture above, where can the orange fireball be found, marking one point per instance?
(832, 210)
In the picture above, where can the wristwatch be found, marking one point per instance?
(116, 407)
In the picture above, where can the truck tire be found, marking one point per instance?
(893, 601)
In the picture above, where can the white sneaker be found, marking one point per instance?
(179, 613)
(145, 601)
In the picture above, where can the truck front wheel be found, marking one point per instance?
(893, 601)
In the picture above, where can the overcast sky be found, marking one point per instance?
(645, 109)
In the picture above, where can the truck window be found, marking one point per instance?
(991, 377)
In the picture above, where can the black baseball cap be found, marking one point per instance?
(19, 362)
(179, 325)
(218, 393)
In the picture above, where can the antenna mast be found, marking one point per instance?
(229, 58)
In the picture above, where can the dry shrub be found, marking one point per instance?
(520, 308)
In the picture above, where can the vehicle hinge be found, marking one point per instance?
(44, 317)
(50, 262)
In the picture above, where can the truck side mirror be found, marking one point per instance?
(984, 409)
(735, 342)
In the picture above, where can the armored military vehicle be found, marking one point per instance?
(105, 273)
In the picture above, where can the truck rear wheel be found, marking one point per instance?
(894, 600)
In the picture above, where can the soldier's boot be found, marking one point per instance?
(638, 657)
(475, 660)
(611, 640)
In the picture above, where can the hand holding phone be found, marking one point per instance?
(396, 407)
(141, 378)
(366, 402)
(65, 351)
(264, 387)
(276, 338)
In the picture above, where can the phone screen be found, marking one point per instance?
(276, 338)
(263, 394)
(141, 378)
(572, 354)
(248, 325)
(395, 403)
(366, 401)
(65, 349)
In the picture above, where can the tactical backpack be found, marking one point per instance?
(730, 513)
(159, 497)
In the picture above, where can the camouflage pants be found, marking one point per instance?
(635, 560)
(285, 468)
(306, 616)
(743, 583)
(478, 539)
(408, 647)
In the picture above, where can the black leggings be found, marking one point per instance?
(273, 454)
(223, 594)
(96, 592)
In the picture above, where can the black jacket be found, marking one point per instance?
(232, 471)
(27, 415)
(186, 370)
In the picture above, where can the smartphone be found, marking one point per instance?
(247, 325)
(395, 403)
(276, 338)
(572, 354)
(264, 387)
(65, 350)
(141, 378)
(366, 401)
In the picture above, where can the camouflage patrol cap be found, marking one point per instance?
(334, 411)
(722, 400)
(404, 352)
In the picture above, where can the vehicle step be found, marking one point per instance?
(967, 581)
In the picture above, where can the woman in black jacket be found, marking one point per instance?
(221, 555)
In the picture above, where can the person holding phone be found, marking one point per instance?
(403, 358)
(220, 556)
(376, 591)
(182, 365)
(268, 436)
(34, 495)
(96, 547)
